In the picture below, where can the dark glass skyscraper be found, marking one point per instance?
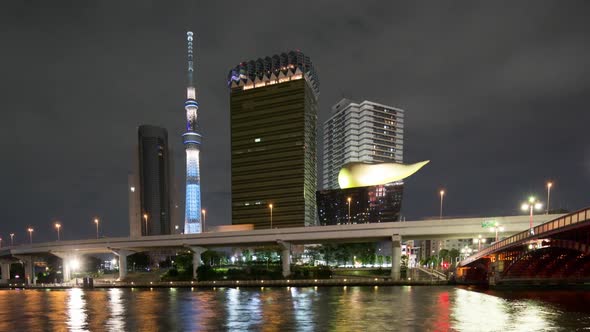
(273, 104)
(154, 180)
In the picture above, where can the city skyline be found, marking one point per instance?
(495, 127)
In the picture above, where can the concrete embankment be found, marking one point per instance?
(241, 283)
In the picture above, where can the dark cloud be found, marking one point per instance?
(495, 94)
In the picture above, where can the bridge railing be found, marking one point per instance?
(539, 231)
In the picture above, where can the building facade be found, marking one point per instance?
(273, 106)
(192, 143)
(366, 132)
(150, 187)
(381, 203)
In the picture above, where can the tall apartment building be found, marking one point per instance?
(273, 106)
(150, 207)
(366, 132)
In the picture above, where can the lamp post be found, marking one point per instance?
(348, 200)
(11, 239)
(96, 222)
(30, 230)
(145, 217)
(0, 242)
(549, 185)
(270, 207)
(442, 195)
(479, 240)
(57, 227)
(497, 228)
(466, 251)
(204, 213)
(532, 204)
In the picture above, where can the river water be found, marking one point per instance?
(399, 308)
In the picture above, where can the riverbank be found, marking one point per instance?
(237, 283)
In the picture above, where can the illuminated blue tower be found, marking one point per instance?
(192, 143)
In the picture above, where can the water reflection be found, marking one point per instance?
(57, 302)
(116, 320)
(301, 305)
(292, 309)
(243, 309)
(76, 313)
(95, 307)
(499, 314)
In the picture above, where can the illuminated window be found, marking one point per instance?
(256, 140)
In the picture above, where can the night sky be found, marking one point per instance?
(496, 96)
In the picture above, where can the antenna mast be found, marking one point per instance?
(191, 70)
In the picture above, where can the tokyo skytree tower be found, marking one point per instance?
(192, 143)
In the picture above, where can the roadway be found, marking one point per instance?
(284, 237)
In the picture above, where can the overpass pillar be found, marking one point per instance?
(494, 271)
(29, 265)
(67, 260)
(5, 272)
(396, 256)
(197, 252)
(285, 257)
(122, 253)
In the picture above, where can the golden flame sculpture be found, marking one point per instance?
(362, 174)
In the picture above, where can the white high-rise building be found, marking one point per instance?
(366, 132)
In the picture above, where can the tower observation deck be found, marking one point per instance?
(192, 144)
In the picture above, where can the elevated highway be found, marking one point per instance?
(284, 237)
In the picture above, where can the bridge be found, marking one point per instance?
(68, 251)
(554, 252)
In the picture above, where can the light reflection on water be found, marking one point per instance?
(116, 320)
(76, 313)
(293, 309)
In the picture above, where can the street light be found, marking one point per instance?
(549, 185)
(57, 227)
(11, 239)
(348, 200)
(30, 230)
(204, 212)
(497, 228)
(479, 240)
(532, 204)
(466, 251)
(75, 264)
(0, 242)
(442, 195)
(145, 217)
(96, 221)
(270, 206)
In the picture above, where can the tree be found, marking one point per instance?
(443, 254)
(453, 254)
(141, 260)
(404, 261)
(404, 266)
(328, 251)
(313, 252)
(184, 261)
(380, 260)
(247, 254)
(342, 254)
(212, 257)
